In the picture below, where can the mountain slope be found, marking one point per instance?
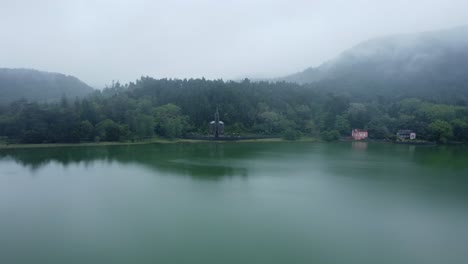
(34, 85)
(430, 63)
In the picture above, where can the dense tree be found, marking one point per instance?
(440, 131)
(176, 108)
(86, 131)
(144, 127)
(109, 130)
(460, 129)
(291, 134)
(342, 125)
(170, 122)
(330, 135)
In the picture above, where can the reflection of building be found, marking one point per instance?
(406, 134)
(217, 126)
(359, 134)
(359, 145)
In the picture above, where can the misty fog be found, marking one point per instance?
(101, 41)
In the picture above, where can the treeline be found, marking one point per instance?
(177, 108)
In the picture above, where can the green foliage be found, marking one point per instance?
(144, 127)
(291, 134)
(86, 131)
(379, 128)
(174, 108)
(108, 130)
(358, 115)
(331, 135)
(170, 123)
(460, 129)
(342, 125)
(441, 131)
(273, 123)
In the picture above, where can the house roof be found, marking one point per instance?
(405, 131)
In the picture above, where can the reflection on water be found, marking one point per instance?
(197, 160)
(427, 165)
(230, 159)
(288, 202)
(359, 145)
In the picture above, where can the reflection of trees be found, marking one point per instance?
(36, 158)
(431, 169)
(454, 157)
(205, 161)
(428, 165)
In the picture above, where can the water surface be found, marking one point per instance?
(235, 203)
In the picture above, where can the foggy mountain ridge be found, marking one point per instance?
(427, 65)
(39, 86)
(437, 58)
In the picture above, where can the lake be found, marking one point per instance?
(278, 202)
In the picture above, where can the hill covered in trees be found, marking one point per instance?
(429, 65)
(413, 81)
(177, 108)
(39, 86)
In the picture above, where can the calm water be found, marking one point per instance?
(235, 203)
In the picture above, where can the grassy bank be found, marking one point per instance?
(4, 145)
(87, 144)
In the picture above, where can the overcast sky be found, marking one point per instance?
(100, 41)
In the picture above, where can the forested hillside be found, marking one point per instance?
(430, 65)
(176, 108)
(39, 86)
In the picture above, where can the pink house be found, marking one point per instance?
(359, 134)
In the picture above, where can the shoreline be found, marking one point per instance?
(146, 142)
(4, 146)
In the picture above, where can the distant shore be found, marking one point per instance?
(148, 141)
(4, 145)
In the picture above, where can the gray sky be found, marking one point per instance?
(100, 41)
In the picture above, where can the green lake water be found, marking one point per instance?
(286, 202)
